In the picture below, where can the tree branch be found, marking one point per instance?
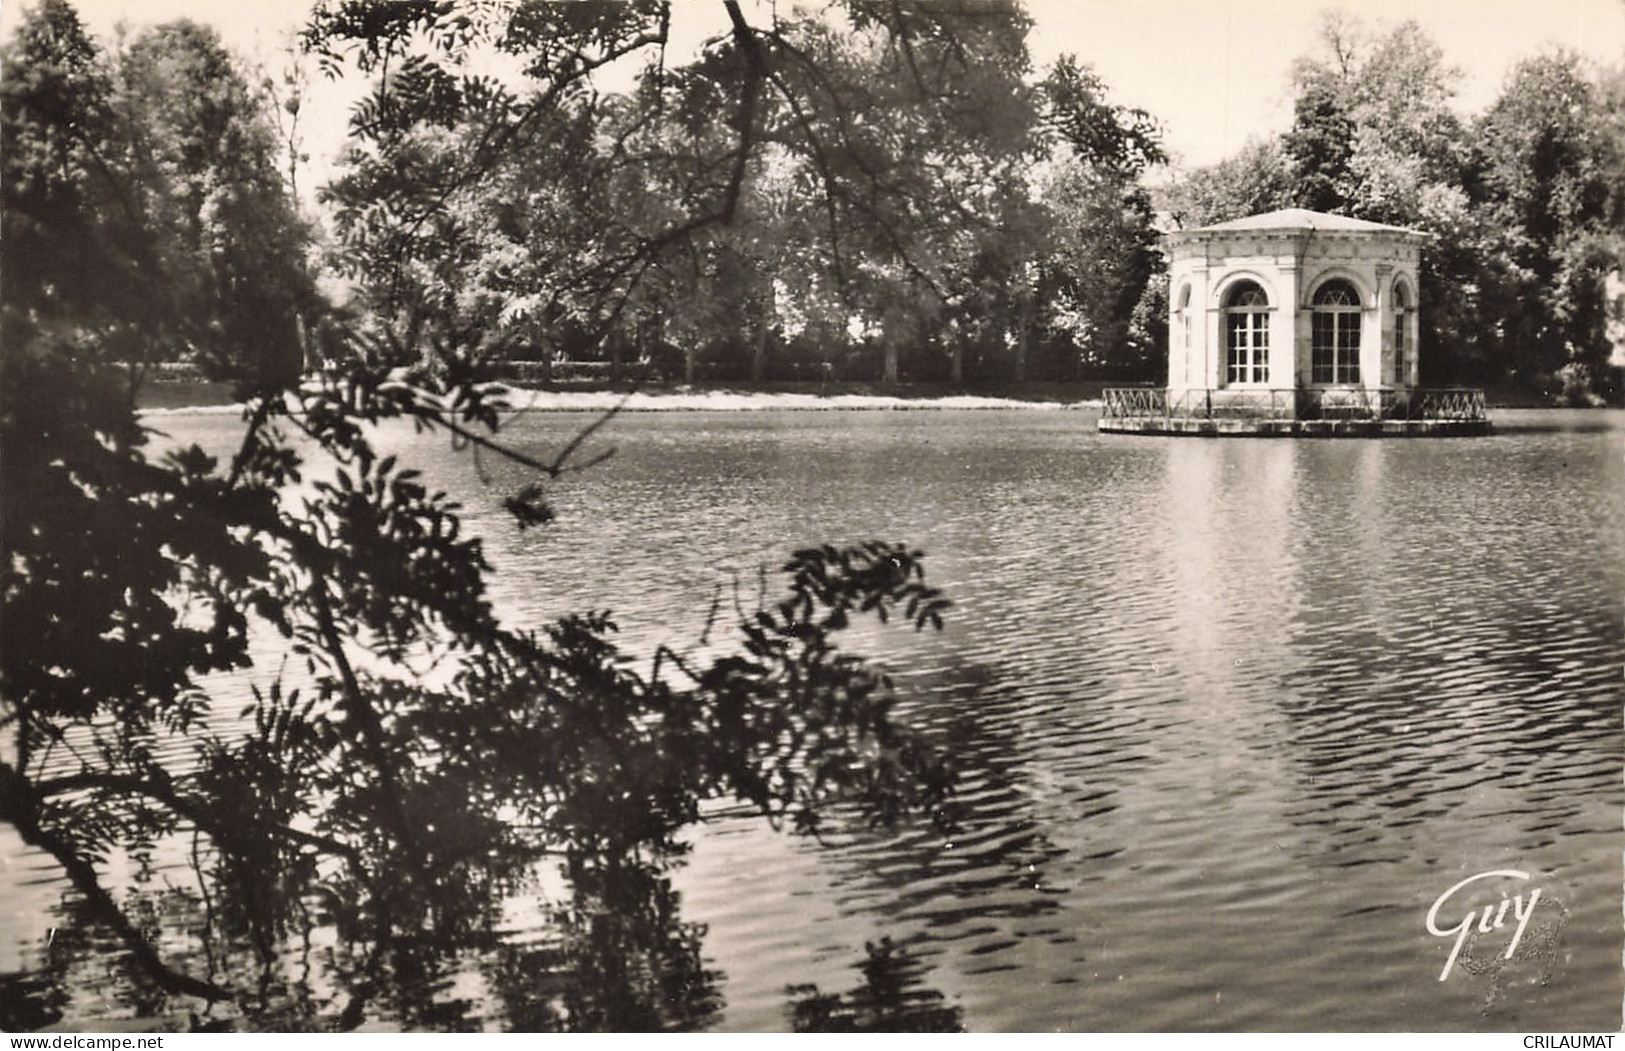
(20, 806)
(192, 811)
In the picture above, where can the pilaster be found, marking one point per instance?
(1376, 339)
(1284, 328)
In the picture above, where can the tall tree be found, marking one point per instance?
(916, 122)
(1376, 137)
(1374, 127)
(1320, 145)
(76, 253)
(1549, 164)
(1104, 257)
(1258, 178)
(1102, 253)
(206, 158)
(144, 201)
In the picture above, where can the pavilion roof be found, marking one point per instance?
(1300, 219)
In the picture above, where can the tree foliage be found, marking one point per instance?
(1548, 173)
(1258, 178)
(865, 168)
(145, 212)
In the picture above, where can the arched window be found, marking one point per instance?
(1247, 333)
(1401, 303)
(1335, 341)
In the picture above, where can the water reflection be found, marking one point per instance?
(1228, 716)
(618, 956)
(891, 999)
(601, 944)
(615, 955)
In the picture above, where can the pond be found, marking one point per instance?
(1231, 716)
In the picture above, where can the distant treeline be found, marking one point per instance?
(801, 202)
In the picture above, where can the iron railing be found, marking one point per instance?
(1135, 403)
(1447, 403)
(1294, 403)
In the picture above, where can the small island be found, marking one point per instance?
(1338, 294)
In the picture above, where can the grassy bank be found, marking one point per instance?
(183, 394)
(176, 394)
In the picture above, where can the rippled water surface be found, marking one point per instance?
(1230, 715)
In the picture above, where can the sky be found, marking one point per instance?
(1214, 72)
(1218, 73)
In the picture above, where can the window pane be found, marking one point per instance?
(1261, 347)
(1337, 293)
(1247, 344)
(1233, 327)
(1349, 347)
(1399, 349)
(1321, 346)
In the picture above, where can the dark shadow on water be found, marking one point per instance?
(1545, 427)
(613, 955)
(29, 1002)
(891, 999)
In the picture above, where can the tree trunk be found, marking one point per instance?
(307, 351)
(888, 372)
(540, 353)
(655, 347)
(617, 347)
(1023, 333)
(956, 365)
(688, 364)
(764, 333)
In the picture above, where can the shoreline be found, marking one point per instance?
(209, 398)
(523, 399)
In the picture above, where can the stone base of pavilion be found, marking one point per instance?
(1296, 413)
(1232, 428)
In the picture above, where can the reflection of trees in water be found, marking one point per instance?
(82, 961)
(999, 853)
(891, 999)
(618, 957)
(614, 955)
